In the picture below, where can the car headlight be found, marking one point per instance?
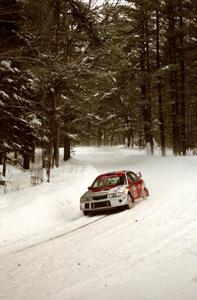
(114, 195)
(84, 199)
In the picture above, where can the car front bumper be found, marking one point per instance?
(102, 204)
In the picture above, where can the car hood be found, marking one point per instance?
(106, 190)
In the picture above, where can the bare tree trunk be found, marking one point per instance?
(15, 154)
(112, 139)
(33, 153)
(1, 157)
(99, 137)
(182, 85)
(173, 79)
(159, 87)
(147, 108)
(146, 112)
(56, 24)
(127, 131)
(56, 145)
(4, 164)
(26, 161)
(56, 129)
(48, 160)
(145, 100)
(66, 147)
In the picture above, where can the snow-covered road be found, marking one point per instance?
(49, 250)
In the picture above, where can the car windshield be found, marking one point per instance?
(105, 181)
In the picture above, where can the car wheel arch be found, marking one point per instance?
(130, 201)
(130, 194)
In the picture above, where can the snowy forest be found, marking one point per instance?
(96, 73)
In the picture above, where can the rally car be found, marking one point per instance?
(113, 190)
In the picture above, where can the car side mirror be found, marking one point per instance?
(89, 188)
(139, 174)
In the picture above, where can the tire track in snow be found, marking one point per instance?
(43, 233)
(61, 235)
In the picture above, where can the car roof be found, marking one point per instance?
(121, 173)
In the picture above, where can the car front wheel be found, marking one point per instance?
(130, 201)
(145, 193)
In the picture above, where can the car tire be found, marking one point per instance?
(130, 201)
(145, 193)
(86, 212)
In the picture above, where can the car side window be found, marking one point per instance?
(132, 176)
(129, 176)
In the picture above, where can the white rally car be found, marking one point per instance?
(112, 190)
